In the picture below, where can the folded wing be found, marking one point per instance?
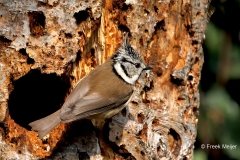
(90, 105)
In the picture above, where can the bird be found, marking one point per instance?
(102, 93)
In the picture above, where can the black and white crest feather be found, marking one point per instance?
(126, 49)
(128, 64)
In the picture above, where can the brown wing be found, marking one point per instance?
(99, 91)
(85, 107)
(80, 90)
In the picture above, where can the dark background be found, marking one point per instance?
(219, 116)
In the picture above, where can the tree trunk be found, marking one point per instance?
(47, 46)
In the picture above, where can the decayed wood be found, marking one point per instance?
(65, 40)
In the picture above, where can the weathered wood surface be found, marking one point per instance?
(65, 40)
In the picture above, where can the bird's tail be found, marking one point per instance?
(45, 125)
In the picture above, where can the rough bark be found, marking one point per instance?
(47, 46)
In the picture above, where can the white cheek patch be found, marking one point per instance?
(121, 73)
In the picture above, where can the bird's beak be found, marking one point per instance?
(147, 68)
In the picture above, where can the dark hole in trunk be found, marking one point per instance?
(36, 95)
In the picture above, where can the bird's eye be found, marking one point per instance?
(124, 60)
(137, 65)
